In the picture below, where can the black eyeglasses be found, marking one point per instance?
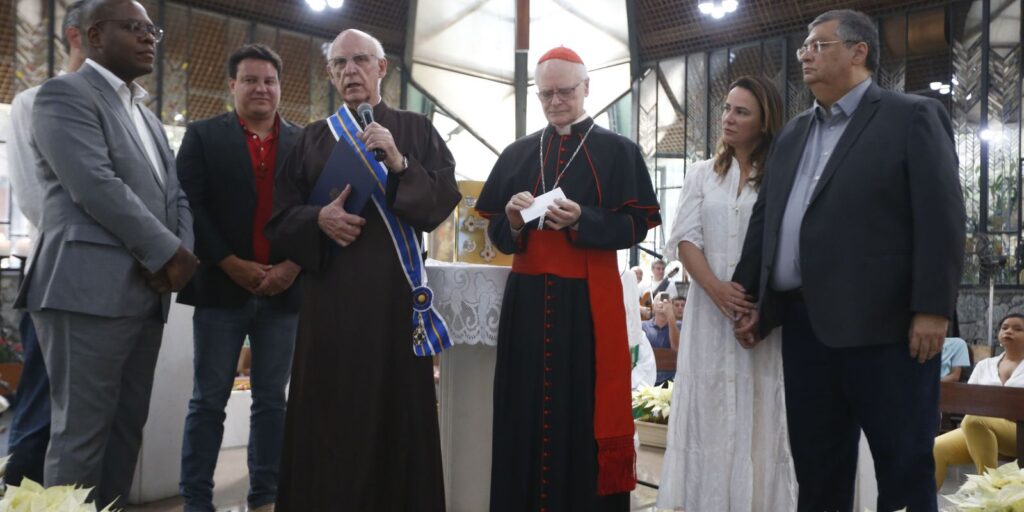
(138, 28)
(564, 93)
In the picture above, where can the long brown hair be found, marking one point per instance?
(771, 122)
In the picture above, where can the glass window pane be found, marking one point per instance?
(696, 107)
(473, 160)
(965, 114)
(716, 96)
(175, 54)
(487, 106)
(1004, 117)
(745, 60)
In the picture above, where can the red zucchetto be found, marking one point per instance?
(561, 53)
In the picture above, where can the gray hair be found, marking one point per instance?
(854, 27)
(72, 18)
(378, 49)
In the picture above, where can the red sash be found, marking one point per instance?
(549, 252)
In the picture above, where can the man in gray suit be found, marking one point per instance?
(115, 239)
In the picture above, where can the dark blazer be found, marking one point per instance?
(216, 173)
(883, 236)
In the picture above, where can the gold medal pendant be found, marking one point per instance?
(419, 335)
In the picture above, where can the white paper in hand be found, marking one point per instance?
(541, 203)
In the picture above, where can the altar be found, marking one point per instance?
(468, 297)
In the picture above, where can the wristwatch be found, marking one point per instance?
(405, 165)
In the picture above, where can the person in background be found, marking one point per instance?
(30, 427)
(980, 439)
(678, 308)
(661, 282)
(662, 331)
(954, 359)
(640, 353)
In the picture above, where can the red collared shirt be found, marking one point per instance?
(263, 155)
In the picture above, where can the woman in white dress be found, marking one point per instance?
(728, 445)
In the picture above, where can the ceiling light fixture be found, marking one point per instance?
(717, 9)
(319, 5)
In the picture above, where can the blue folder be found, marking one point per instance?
(344, 167)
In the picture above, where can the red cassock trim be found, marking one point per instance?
(549, 252)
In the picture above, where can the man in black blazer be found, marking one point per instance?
(244, 286)
(855, 247)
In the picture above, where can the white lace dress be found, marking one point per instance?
(728, 445)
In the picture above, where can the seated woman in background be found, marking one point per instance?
(980, 439)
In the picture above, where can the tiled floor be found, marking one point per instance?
(231, 480)
(231, 484)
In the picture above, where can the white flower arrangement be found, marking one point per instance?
(998, 490)
(32, 497)
(651, 403)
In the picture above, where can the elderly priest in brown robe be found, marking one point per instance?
(563, 429)
(361, 430)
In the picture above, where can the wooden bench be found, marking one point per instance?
(991, 401)
(665, 359)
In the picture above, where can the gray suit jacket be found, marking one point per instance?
(105, 214)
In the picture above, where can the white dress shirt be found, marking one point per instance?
(987, 373)
(132, 100)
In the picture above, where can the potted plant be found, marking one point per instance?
(651, 407)
(10, 365)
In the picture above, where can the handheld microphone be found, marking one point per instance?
(365, 112)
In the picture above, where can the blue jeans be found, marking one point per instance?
(218, 337)
(30, 428)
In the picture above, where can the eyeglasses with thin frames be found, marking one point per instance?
(361, 60)
(564, 93)
(138, 28)
(817, 47)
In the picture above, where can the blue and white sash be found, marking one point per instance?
(430, 334)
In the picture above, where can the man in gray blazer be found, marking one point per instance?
(115, 239)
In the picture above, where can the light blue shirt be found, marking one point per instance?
(826, 129)
(954, 354)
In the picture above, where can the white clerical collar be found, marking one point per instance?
(136, 91)
(567, 129)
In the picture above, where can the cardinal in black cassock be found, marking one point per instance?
(563, 429)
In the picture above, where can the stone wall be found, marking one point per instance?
(972, 308)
